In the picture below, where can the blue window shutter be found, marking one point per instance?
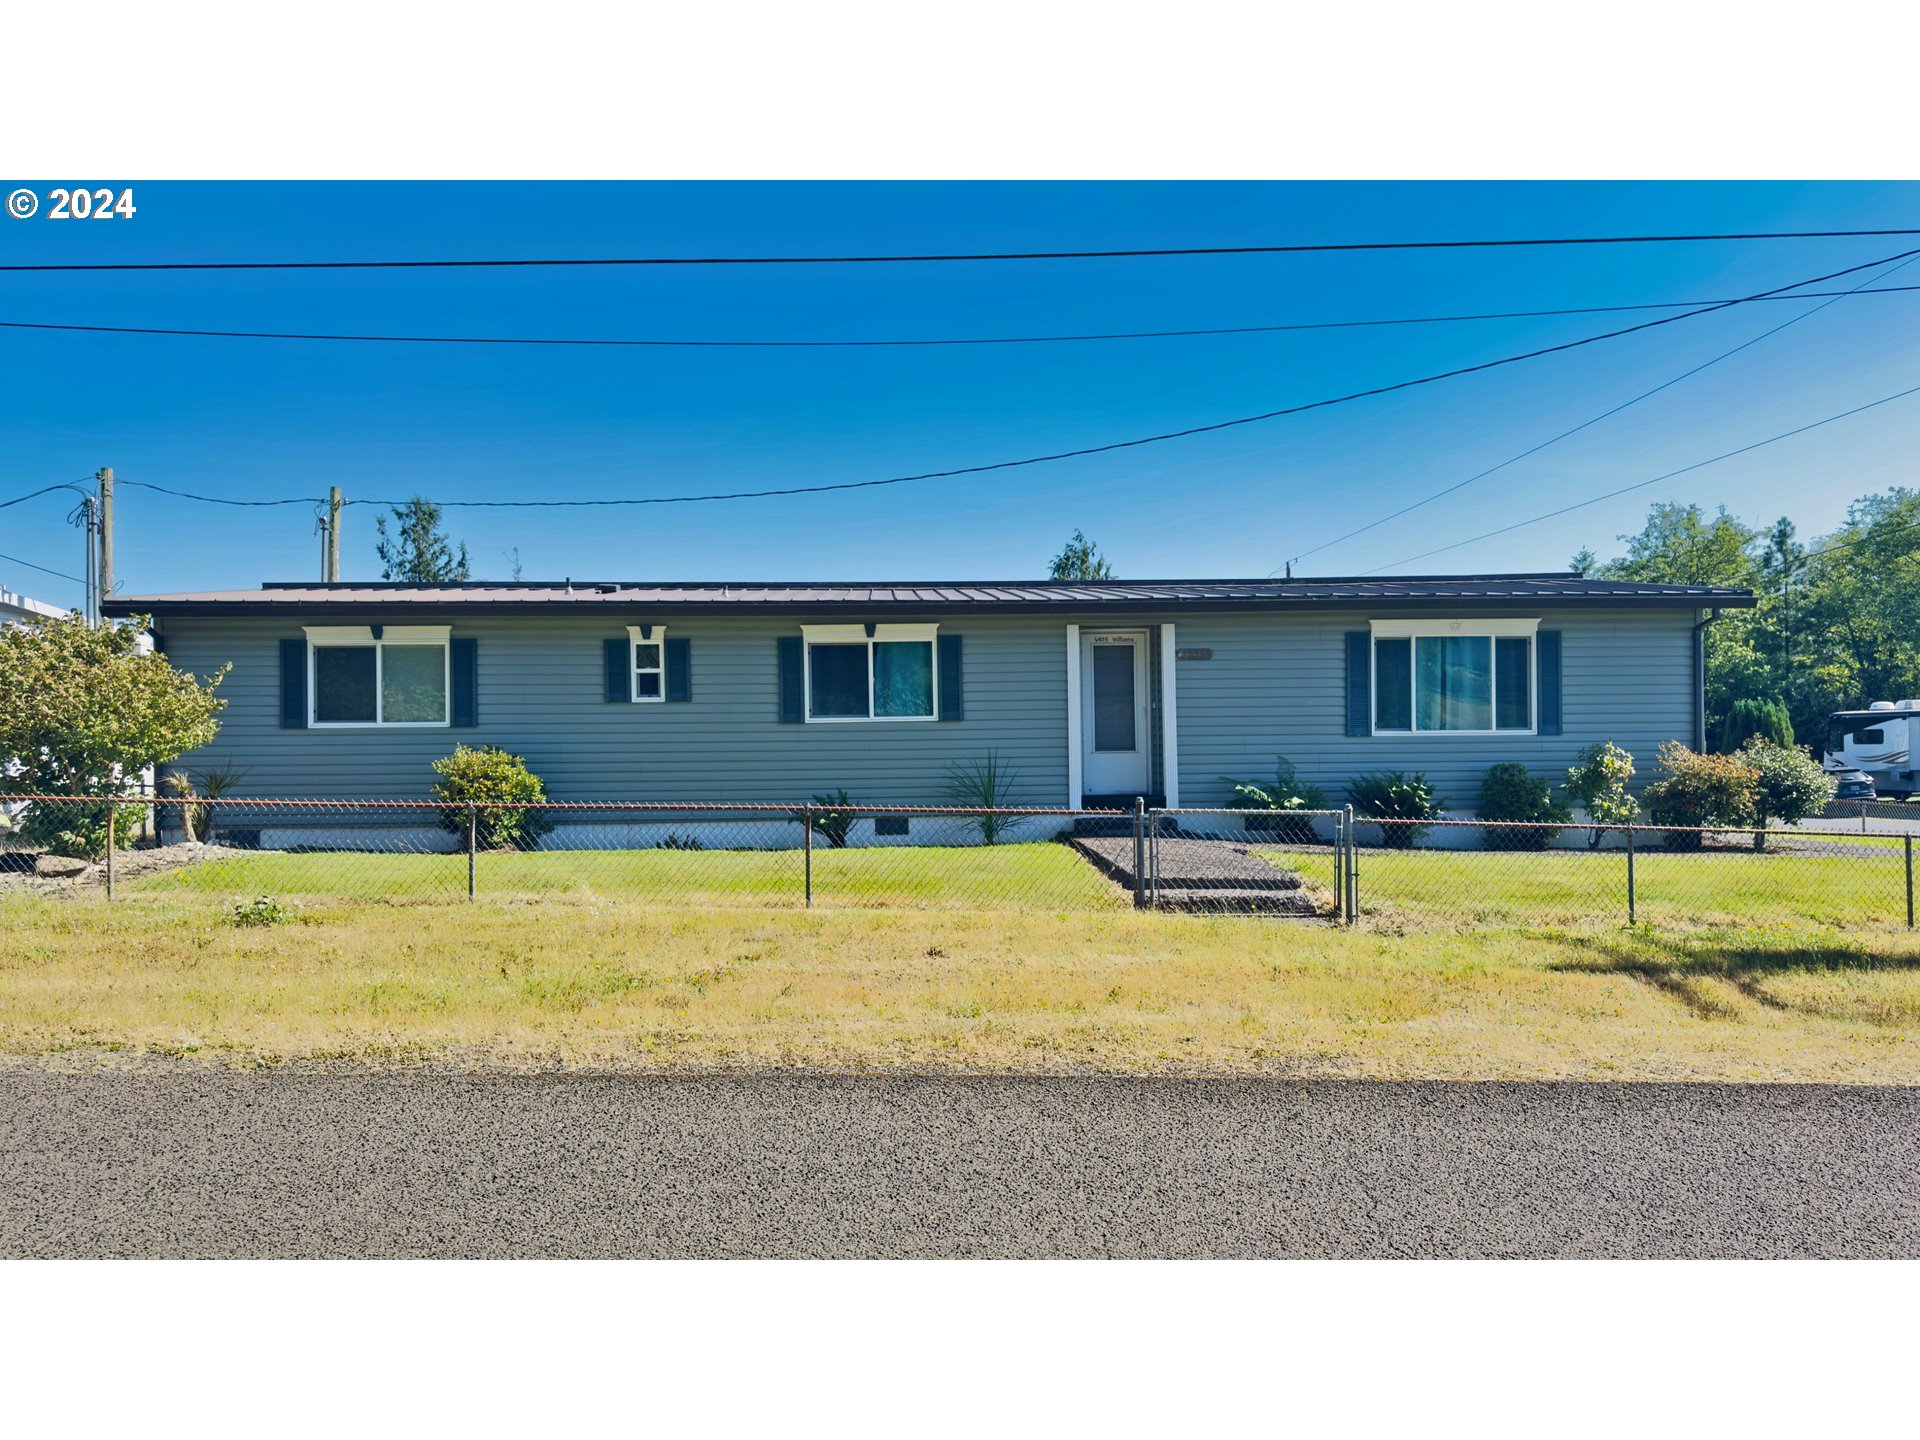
(793, 701)
(463, 658)
(679, 658)
(952, 702)
(1359, 682)
(293, 684)
(619, 671)
(1546, 653)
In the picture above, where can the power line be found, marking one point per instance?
(874, 344)
(1111, 446)
(1082, 451)
(1585, 424)
(932, 258)
(16, 560)
(1643, 484)
(220, 499)
(36, 494)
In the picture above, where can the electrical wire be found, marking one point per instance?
(16, 560)
(1585, 424)
(877, 344)
(1080, 452)
(1643, 484)
(221, 499)
(36, 494)
(931, 258)
(1138, 441)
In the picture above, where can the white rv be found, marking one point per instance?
(1879, 740)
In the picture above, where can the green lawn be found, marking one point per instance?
(1718, 887)
(1032, 875)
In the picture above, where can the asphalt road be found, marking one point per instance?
(169, 1163)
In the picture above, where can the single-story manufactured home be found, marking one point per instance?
(1092, 692)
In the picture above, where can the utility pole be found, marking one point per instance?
(105, 477)
(332, 568)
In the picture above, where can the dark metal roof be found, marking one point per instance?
(716, 597)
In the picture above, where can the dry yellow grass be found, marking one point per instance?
(641, 987)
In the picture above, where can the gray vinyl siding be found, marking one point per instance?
(1275, 685)
(540, 694)
(1278, 686)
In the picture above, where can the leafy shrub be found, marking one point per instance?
(1286, 791)
(1598, 780)
(831, 817)
(1790, 785)
(1767, 719)
(488, 775)
(987, 785)
(1700, 790)
(78, 828)
(1508, 792)
(263, 911)
(1399, 801)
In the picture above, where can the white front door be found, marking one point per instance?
(1114, 729)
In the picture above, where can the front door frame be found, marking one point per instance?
(1096, 768)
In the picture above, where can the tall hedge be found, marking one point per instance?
(1747, 718)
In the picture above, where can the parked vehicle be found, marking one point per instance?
(1851, 784)
(1879, 742)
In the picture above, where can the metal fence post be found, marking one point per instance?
(473, 826)
(1631, 898)
(1339, 864)
(113, 823)
(1139, 853)
(1353, 867)
(1907, 845)
(807, 823)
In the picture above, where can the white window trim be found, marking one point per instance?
(1491, 630)
(813, 635)
(362, 635)
(635, 639)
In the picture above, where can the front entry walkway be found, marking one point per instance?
(1205, 875)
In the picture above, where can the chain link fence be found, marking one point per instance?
(1326, 864)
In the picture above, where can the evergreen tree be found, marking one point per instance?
(416, 551)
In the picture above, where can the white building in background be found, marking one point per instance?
(19, 609)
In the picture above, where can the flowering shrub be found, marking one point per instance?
(1700, 790)
(1598, 781)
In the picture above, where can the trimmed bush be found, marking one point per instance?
(1285, 791)
(1598, 780)
(1508, 792)
(1700, 790)
(1399, 801)
(1767, 719)
(79, 829)
(486, 774)
(1790, 785)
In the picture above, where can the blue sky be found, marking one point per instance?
(264, 419)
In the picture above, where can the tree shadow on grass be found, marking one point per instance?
(1698, 971)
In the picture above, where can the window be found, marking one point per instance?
(1459, 676)
(649, 662)
(870, 672)
(378, 675)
